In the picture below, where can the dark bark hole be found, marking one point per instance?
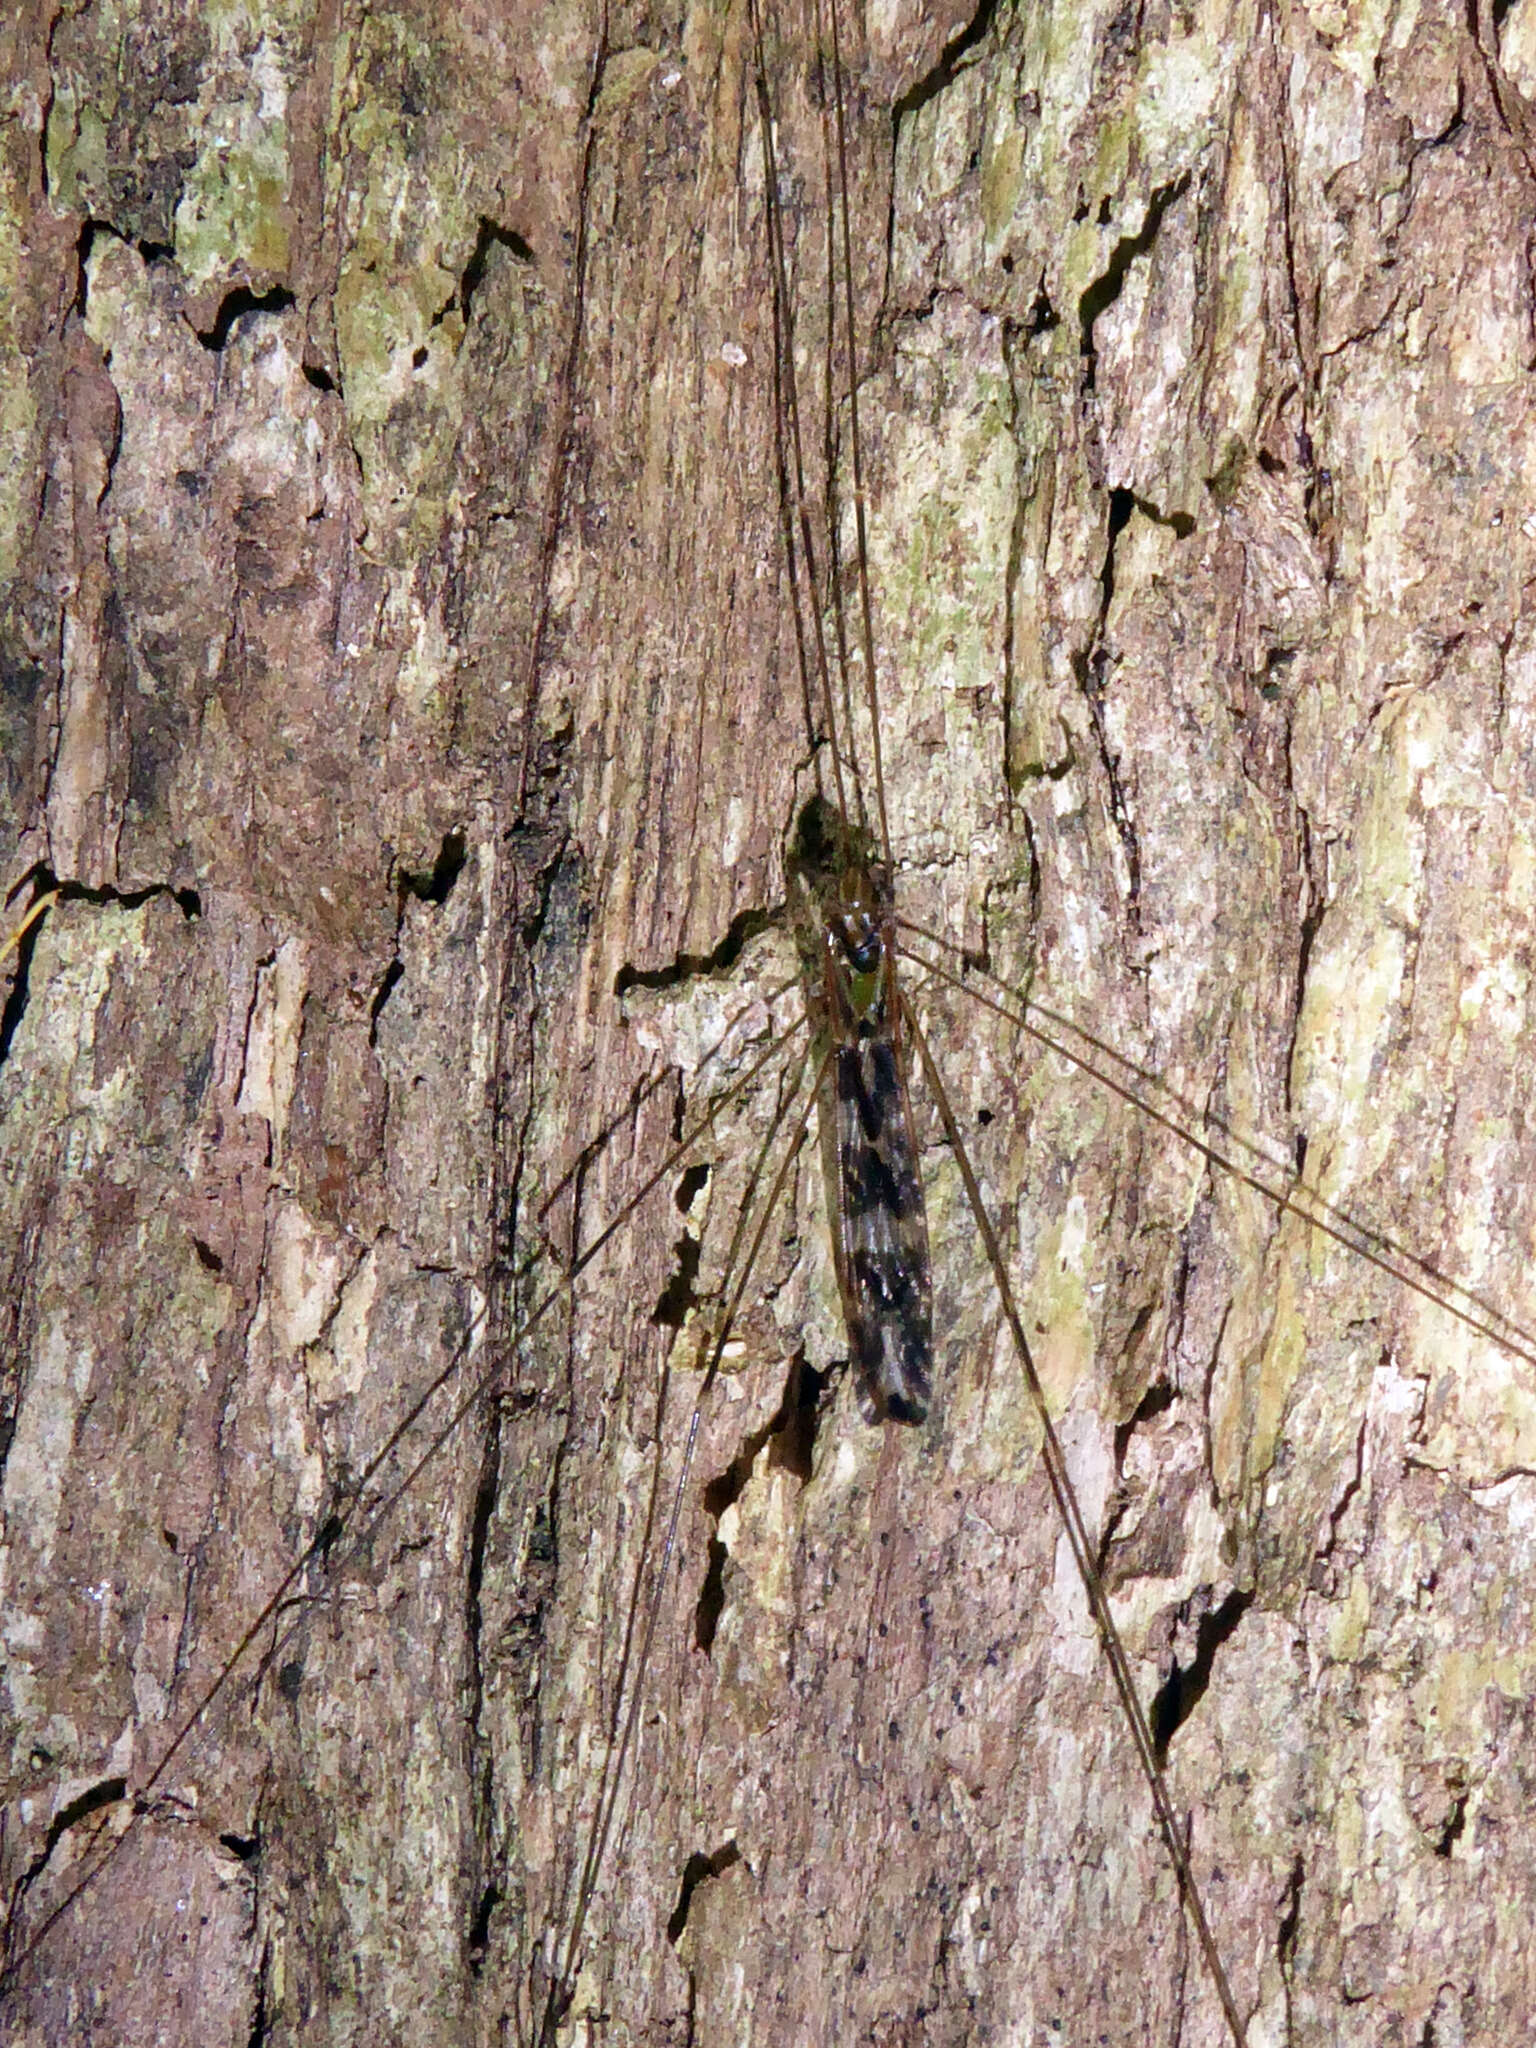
(680, 1293)
(541, 1537)
(1276, 663)
(792, 1443)
(1157, 1400)
(1105, 289)
(790, 1438)
(83, 242)
(480, 1927)
(742, 929)
(1122, 504)
(16, 1002)
(437, 886)
(394, 974)
(491, 236)
(1183, 1689)
(1454, 1827)
(693, 1183)
(698, 1870)
(711, 1602)
(1290, 1918)
(261, 2021)
(92, 1800)
(245, 1847)
(234, 306)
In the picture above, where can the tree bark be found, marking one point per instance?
(403, 720)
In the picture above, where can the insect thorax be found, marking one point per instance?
(843, 922)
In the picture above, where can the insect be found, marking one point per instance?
(880, 1780)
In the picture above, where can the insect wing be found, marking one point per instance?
(881, 1231)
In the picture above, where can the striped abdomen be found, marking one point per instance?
(880, 1228)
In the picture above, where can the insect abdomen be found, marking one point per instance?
(887, 1289)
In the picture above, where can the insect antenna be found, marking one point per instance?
(861, 550)
(796, 512)
(621, 1739)
(1243, 1158)
(1079, 1542)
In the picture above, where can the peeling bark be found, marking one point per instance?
(399, 690)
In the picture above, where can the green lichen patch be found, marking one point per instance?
(18, 407)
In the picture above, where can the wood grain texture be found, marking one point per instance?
(398, 665)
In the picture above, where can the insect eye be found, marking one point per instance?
(861, 942)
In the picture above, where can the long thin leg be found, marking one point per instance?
(350, 1524)
(1245, 1161)
(1081, 1546)
(613, 1767)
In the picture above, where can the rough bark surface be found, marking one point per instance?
(398, 689)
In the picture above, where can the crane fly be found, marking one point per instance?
(851, 1750)
(862, 1021)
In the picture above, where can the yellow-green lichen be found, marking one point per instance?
(625, 74)
(18, 408)
(385, 310)
(72, 974)
(233, 208)
(59, 1380)
(1058, 1304)
(1260, 1367)
(74, 149)
(949, 619)
(1349, 1620)
(1176, 100)
(399, 325)
(1355, 980)
(1002, 181)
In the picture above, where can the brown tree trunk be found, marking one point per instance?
(402, 715)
